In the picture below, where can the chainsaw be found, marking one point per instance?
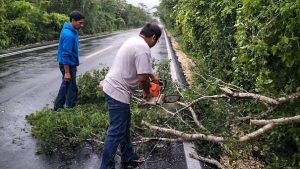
(158, 95)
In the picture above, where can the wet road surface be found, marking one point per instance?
(30, 81)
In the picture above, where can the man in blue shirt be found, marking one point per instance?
(68, 59)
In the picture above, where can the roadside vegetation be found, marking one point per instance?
(242, 107)
(249, 47)
(30, 21)
(68, 128)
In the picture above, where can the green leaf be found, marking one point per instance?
(243, 58)
(246, 2)
(274, 49)
(269, 81)
(289, 62)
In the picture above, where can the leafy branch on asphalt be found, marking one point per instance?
(174, 135)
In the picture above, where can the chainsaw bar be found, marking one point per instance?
(171, 98)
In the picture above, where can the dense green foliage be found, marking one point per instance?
(68, 128)
(257, 49)
(29, 21)
(250, 44)
(88, 92)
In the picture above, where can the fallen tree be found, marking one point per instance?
(228, 121)
(267, 124)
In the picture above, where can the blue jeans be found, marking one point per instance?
(118, 134)
(68, 90)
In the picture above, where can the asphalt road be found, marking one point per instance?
(30, 81)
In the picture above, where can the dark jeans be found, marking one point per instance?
(68, 90)
(118, 134)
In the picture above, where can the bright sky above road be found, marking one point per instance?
(148, 3)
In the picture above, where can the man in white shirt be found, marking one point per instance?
(131, 68)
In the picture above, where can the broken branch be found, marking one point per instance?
(202, 98)
(207, 160)
(194, 115)
(258, 97)
(257, 132)
(262, 98)
(279, 121)
(183, 135)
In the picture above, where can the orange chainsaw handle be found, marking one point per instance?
(154, 89)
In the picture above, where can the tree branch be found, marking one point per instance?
(202, 98)
(256, 133)
(219, 80)
(261, 98)
(288, 99)
(148, 139)
(207, 160)
(166, 110)
(194, 115)
(279, 121)
(211, 138)
(268, 124)
(258, 97)
(183, 135)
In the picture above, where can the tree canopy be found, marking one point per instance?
(29, 21)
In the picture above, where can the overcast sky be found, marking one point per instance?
(149, 3)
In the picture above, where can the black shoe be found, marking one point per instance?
(133, 163)
(128, 165)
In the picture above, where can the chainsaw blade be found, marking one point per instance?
(171, 98)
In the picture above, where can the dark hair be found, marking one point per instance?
(76, 15)
(150, 30)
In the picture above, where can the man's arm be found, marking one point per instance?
(67, 46)
(144, 80)
(145, 83)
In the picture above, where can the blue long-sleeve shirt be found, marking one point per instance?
(68, 53)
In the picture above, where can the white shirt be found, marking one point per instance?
(133, 58)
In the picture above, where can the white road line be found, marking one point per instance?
(190, 162)
(100, 51)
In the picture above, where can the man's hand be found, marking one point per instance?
(145, 84)
(100, 85)
(154, 78)
(67, 76)
(146, 96)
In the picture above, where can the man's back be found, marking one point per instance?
(133, 58)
